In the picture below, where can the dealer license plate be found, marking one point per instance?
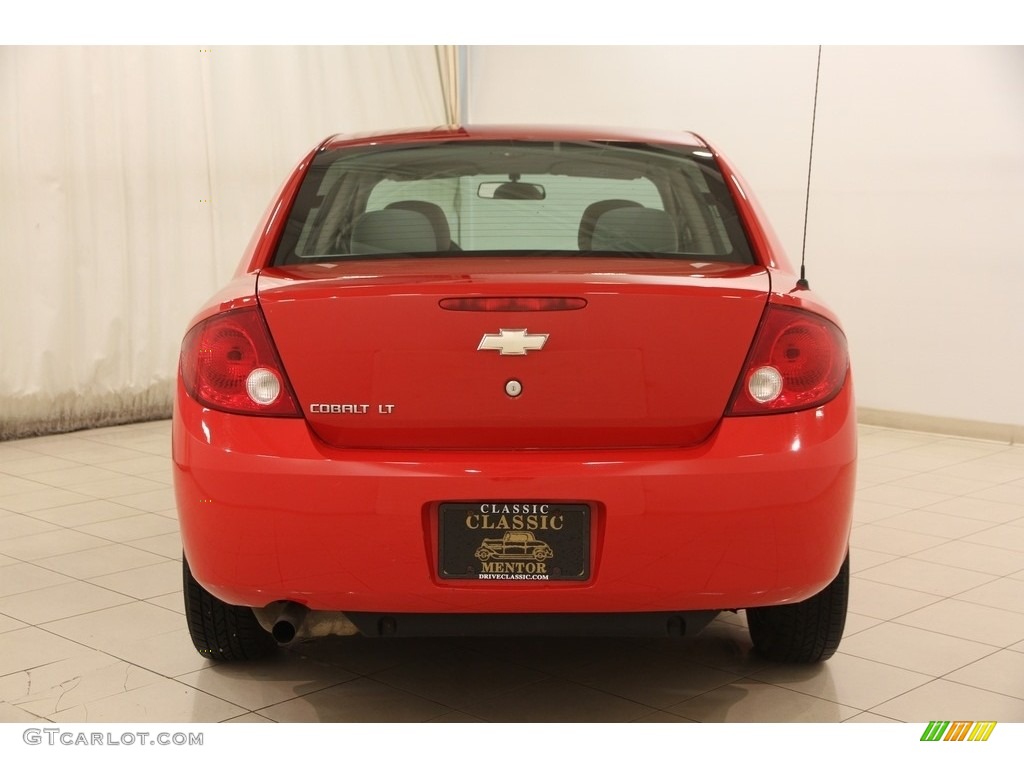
(514, 541)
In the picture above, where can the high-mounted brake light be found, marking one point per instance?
(799, 360)
(513, 303)
(228, 363)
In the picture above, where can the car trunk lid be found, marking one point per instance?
(513, 353)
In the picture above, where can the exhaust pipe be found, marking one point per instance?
(289, 623)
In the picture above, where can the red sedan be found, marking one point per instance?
(514, 381)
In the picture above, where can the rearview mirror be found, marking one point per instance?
(510, 190)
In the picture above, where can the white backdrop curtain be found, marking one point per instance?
(131, 179)
(448, 72)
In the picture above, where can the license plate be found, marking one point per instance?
(514, 541)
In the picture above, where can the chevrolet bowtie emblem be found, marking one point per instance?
(513, 341)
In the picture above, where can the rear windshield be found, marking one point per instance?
(486, 198)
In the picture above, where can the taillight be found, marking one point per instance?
(228, 363)
(798, 360)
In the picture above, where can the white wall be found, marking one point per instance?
(915, 229)
(916, 189)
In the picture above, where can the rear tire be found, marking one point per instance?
(806, 632)
(220, 631)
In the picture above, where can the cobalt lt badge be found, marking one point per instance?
(513, 341)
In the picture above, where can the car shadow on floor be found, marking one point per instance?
(510, 679)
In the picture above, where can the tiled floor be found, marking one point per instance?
(91, 624)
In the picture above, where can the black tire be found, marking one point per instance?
(220, 631)
(807, 632)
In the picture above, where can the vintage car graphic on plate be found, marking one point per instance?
(514, 545)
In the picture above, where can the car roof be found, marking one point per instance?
(518, 132)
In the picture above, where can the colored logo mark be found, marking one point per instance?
(960, 730)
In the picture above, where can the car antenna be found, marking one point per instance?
(802, 283)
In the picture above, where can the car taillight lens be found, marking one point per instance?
(798, 360)
(228, 363)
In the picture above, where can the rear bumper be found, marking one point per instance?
(757, 515)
